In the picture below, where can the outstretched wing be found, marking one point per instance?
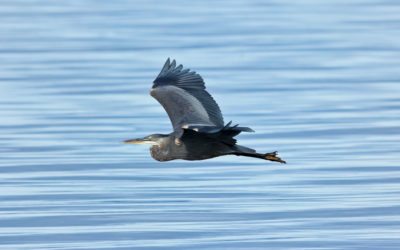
(182, 94)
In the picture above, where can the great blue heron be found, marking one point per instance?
(199, 129)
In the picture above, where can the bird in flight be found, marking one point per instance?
(199, 129)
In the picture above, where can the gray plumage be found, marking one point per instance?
(183, 95)
(198, 126)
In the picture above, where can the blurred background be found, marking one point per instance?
(317, 80)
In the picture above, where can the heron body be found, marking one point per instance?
(190, 147)
(199, 129)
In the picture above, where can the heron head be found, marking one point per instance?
(154, 139)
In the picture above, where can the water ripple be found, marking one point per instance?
(318, 81)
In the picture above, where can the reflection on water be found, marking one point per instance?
(319, 82)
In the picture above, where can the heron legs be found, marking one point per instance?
(273, 156)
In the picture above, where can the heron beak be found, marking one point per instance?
(139, 141)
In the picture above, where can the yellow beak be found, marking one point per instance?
(139, 141)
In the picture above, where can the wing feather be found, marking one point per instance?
(182, 94)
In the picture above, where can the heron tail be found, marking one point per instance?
(228, 132)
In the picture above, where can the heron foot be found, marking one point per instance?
(273, 157)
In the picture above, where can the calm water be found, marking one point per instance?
(318, 83)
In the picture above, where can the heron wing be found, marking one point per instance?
(225, 134)
(183, 95)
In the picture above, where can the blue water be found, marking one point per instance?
(319, 81)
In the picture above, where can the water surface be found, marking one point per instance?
(318, 81)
